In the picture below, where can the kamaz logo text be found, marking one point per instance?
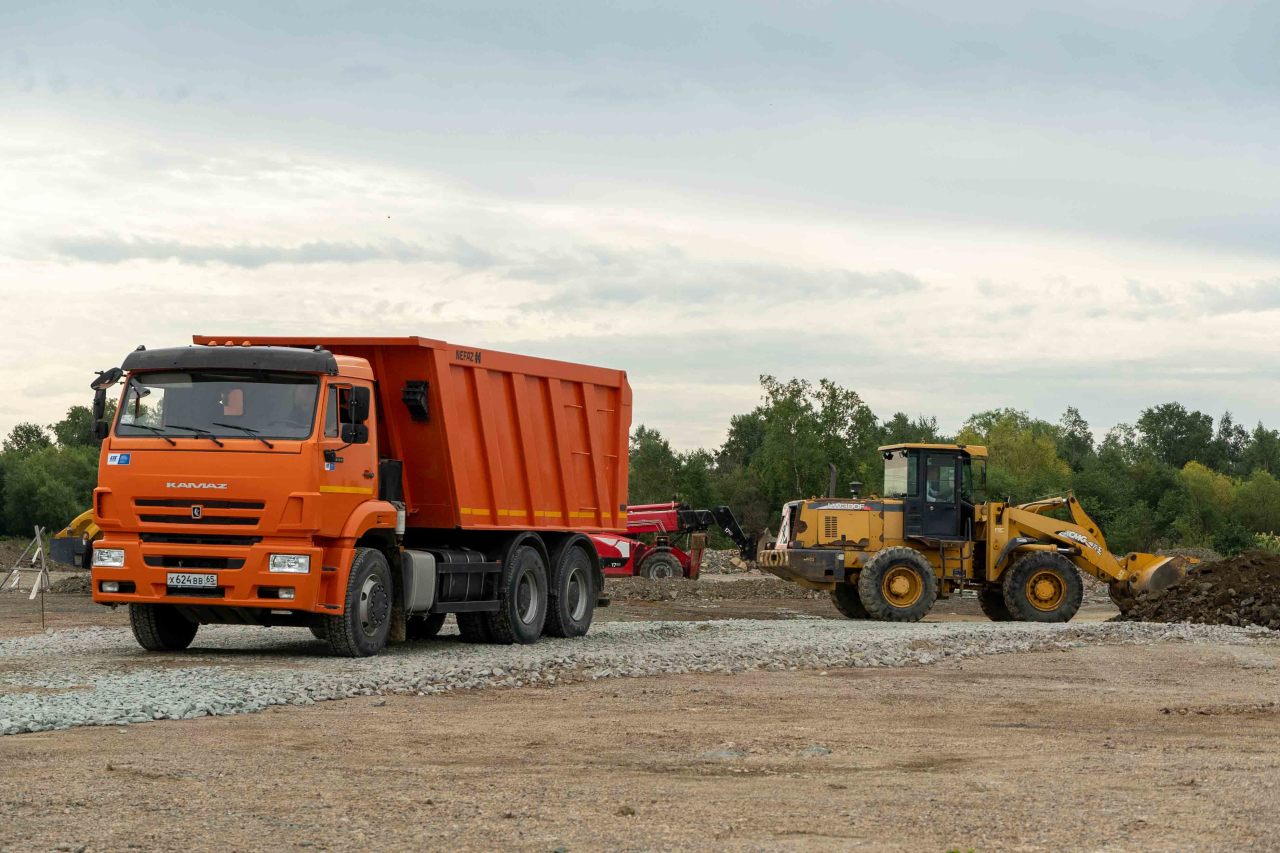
(195, 485)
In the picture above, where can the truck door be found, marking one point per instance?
(941, 491)
(349, 475)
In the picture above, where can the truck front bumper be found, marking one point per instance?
(244, 580)
(807, 566)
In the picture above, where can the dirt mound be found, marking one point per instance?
(673, 589)
(75, 584)
(1243, 590)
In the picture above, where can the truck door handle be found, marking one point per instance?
(368, 475)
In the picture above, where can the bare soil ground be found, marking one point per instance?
(1168, 747)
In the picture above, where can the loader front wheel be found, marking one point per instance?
(845, 598)
(991, 600)
(1043, 587)
(898, 585)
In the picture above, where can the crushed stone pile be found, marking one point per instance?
(675, 589)
(1243, 590)
(715, 562)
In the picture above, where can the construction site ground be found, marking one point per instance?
(1163, 746)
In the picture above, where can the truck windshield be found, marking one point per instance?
(228, 404)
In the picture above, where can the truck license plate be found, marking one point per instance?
(193, 581)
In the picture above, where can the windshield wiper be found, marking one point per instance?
(244, 429)
(203, 433)
(156, 430)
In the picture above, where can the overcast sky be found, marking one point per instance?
(947, 207)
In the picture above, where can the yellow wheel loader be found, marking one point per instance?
(889, 558)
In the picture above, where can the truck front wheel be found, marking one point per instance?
(363, 627)
(161, 628)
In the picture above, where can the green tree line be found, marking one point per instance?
(47, 473)
(1172, 478)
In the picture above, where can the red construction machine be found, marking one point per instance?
(675, 537)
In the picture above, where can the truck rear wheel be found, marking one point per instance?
(474, 627)
(161, 628)
(522, 599)
(424, 627)
(1043, 587)
(660, 566)
(898, 585)
(363, 627)
(845, 598)
(572, 598)
(991, 600)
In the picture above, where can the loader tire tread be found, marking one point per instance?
(991, 600)
(1018, 576)
(845, 598)
(871, 585)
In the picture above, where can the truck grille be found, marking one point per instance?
(176, 561)
(199, 539)
(212, 512)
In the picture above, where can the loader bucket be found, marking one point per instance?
(1157, 574)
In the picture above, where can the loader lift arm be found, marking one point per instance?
(1082, 542)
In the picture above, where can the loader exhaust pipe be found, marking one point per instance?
(831, 481)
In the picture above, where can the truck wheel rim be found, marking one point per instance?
(901, 586)
(1045, 590)
(374, 605)
(662, 569)
(528, 601)
(576, 594)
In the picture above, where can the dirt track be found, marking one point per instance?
(1168, 747)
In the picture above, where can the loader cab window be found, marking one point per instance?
(973, 486)
(940, 479)
(901, 478)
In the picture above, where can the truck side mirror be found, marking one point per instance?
(104, 380)
(100, 430)
(360, 400)
(355, 434)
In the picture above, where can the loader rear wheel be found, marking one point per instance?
(161, 628)
(991, 600)
(1043, 587)
(845, 598)
(898, 585)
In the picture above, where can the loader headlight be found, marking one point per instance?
(108, 558)
(289, 564)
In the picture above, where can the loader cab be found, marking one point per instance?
(939, 486)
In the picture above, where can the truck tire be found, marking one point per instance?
(660, 566)
(572, 597)
(424, 627)
(161, 628)
(522, 599)
(363, 627)
(845, 598)
(474, 627)
(898, 585)
(991, 600)
(1043, 587)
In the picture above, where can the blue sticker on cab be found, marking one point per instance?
(117, 458)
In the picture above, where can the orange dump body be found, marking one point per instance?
(508, 441)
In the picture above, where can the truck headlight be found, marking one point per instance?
(108, 558)
(289, 564)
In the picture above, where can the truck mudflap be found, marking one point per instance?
(804, 565)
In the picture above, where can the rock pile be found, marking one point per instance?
(1243, 590)
(724, 563)
(676, 589)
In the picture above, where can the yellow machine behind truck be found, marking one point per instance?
(889, 558)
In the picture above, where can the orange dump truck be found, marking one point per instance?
(361, 487)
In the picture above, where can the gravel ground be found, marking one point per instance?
(98, 676)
